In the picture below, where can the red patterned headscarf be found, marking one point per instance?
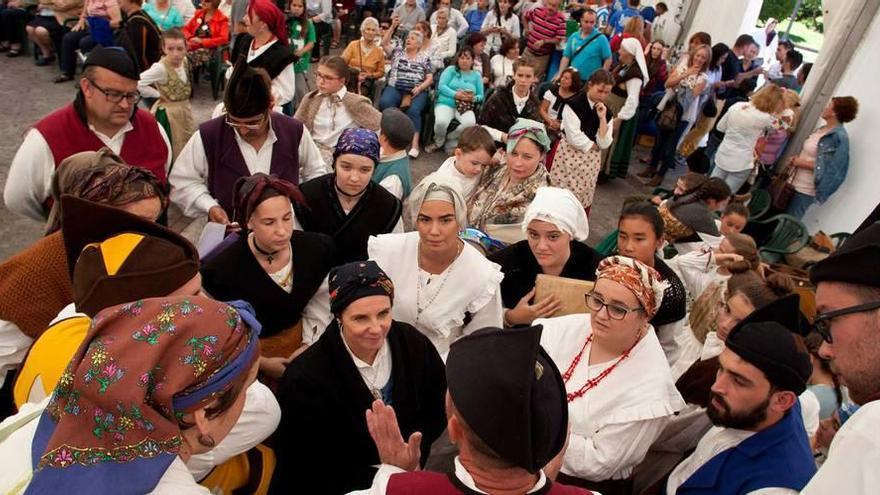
(636, 276)
(118, 408)
(269, 13)
(253, 190)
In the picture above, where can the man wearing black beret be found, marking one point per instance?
(507, 413)
(848, 306)
(758, 441)
(104, 114)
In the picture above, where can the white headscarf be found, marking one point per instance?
(632, 45)
(439, 187)
(561, 208)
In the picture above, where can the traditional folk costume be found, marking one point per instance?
(36, 282)
(497, 202)
(275, 57)
(624, 103)
(616, 409)
(326, 390)
(445, 306)
(669, 322)
(292, 303)
(577, 163)
(140, 142)
(216, 156)
(327, 115)
(519, 265)
(376, 212)
(852, 458)
(738, 461)
(688, 220)
(115, 413)
(173, 110)
(491, 370)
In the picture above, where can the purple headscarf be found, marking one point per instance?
(358, 141)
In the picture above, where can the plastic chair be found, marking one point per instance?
(608, 244)
(839, 238)
(788, 236)
(759, 205)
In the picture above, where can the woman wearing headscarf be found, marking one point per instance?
(620, 391)
(556, 228)
(364, 356)
(265, 46)
(505, 191)
(136, 409)
(346, 204)
(445, 287)
(630, 76)
(279, 270)
(35, 283)
(586, 131)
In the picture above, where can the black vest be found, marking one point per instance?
(589, 117)
(622, 74)
(273, 60)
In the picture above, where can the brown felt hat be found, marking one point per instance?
(120, 257)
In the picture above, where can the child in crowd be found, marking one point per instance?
(395, 135)
(734, 218)
(169, 81)
(474, 152)
(301, 32)
(686, 183)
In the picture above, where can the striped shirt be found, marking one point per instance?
(406, 74)
(544, 24)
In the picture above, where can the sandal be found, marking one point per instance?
(334, 44)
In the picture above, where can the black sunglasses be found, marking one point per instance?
(822, 322)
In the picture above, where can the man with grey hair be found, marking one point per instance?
(848, 318)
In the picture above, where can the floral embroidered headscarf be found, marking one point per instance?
(641, 279)
(352, 281)
(117, 410)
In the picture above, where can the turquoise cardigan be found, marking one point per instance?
(452, 81)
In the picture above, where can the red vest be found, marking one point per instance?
(67, 134)
(422, 482)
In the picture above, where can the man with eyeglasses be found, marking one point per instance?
(848, 305)
(103, 114)
(249, 138)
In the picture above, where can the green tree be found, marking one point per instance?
(810, 12)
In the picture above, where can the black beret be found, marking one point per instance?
(855, 262)
(511, 395)
(771, 348)
(248, 91)
(114, 59)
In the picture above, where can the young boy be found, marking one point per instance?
(734, 218)
(475, 151)
(168, 80)
(395, 135)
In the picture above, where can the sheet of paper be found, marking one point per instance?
(211, 236)
(570, 292)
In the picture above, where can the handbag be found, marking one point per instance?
(668, 118)
(780, 189)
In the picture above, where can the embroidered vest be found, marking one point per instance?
(174, 88)
(226, 163)
(66, 133)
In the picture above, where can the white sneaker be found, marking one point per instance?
(414, 153)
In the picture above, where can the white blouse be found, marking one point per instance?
(502, 69)
(571, 126)
(471, 285)
(743, 124)
(614, 424)
(511, 24)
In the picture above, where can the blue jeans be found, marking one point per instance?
(391, 97)
(734, 180)
(799, 204)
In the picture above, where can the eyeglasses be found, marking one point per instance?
(822, 322)
(114, 96)
(615, 311)
(256, 126)
(326, 77)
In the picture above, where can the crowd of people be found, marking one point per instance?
(334, 326)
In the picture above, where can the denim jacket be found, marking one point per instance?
(832, 162)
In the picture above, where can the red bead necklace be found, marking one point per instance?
(592, 382)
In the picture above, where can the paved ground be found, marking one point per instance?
(27, 93)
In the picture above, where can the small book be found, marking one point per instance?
(570, 292)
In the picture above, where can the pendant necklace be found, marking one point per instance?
(270, 255)
(419, 307)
